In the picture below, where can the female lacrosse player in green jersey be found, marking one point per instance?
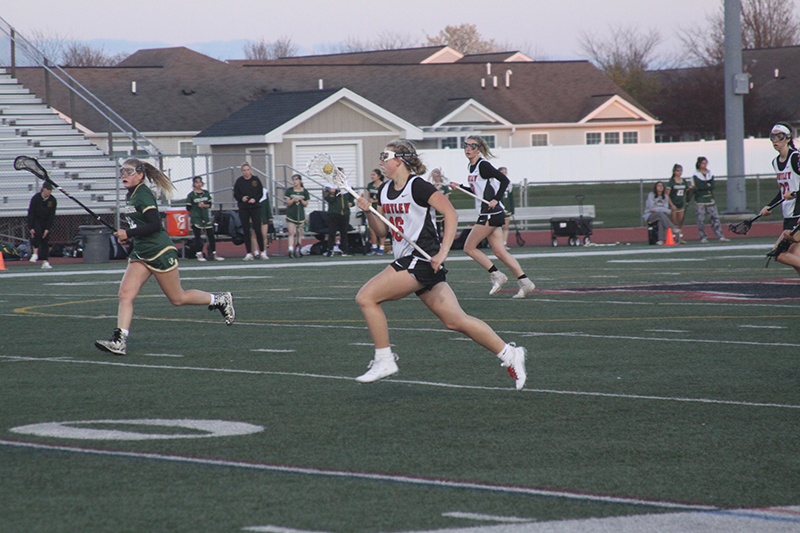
(199, 204)
(677, 189)
(409, 202)
(296, 198)
(153, 254)
(376, 180)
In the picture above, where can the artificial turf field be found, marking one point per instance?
(660, 380)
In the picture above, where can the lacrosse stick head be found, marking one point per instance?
(24, 162)
(322, 165)
(741, 228)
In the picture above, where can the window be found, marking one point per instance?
(450, 142)
(538, 139)
(612, 137)
(456, 142)
(187, 148)
(630, 137)
(594, 138)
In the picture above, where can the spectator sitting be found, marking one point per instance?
(657, 210)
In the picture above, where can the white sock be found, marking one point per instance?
(383, 353)
(124, 332)
(213, 300)
(506, 352)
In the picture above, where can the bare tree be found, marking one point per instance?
(625, 56)
(389, 40)
(78, 54)
(50, 44)
(765, 24)
(464, 38)
(282, 47)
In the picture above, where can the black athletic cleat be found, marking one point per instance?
(224, 302)
(118, 345)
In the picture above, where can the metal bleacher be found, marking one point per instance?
(30, 127)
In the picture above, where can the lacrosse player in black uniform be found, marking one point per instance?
(488, 183)
(41, 214)
(787, 169)
(409, 202)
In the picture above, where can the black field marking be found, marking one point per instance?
(773, 290)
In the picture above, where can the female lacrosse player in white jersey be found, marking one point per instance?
(787, 169)
(488, 183)
(410, 203)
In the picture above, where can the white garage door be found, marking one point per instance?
(344, 155)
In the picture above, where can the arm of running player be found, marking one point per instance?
(152, 225)
(440, 202)
(375, 223)
(488, 172)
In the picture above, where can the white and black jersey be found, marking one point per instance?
(488, 183)
(411, 213)
(788, 174)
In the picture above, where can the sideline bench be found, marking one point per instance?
(526, 215)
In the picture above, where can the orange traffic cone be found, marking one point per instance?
(2, 263)
(670, 240)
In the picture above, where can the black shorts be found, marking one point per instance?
(421, 270)
(790, 223)
(496, 220)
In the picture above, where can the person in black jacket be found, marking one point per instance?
(248, 191)
(41, 214)
(339, 204)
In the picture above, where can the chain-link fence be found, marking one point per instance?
(94, 181)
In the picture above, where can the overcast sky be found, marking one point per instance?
(546, 29)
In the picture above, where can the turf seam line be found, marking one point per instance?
(403, 382)
(411, 480)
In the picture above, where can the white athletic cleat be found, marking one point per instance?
(224, 302)
(498, 280)
(516, 365)
(724, 239)
(379, 369)
(217, 257)
(263, 255)
(34, 258)
(46, 265)
(526, 286)
(200, 256)
(118, 344)
(248, 257)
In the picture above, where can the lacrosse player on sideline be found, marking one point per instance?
(410, 202)
(787, 168)
(153, 254)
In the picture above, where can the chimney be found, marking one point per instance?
(488, 69)
(321, 84)
(483, 83)
(133, 87)
(508, 78)
(494, 81)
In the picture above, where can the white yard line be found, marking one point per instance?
(402, 381)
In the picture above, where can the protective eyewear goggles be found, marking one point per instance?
(387, 155)
(127, 171)
(778, 136)
(471, 146)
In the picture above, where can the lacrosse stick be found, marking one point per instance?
(323, 166)
(781, 247)
(743, 227)
(447, 182)
(520, 240)
(24, 162)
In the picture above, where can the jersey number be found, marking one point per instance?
(398, 222)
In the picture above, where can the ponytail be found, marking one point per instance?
(163, 183)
